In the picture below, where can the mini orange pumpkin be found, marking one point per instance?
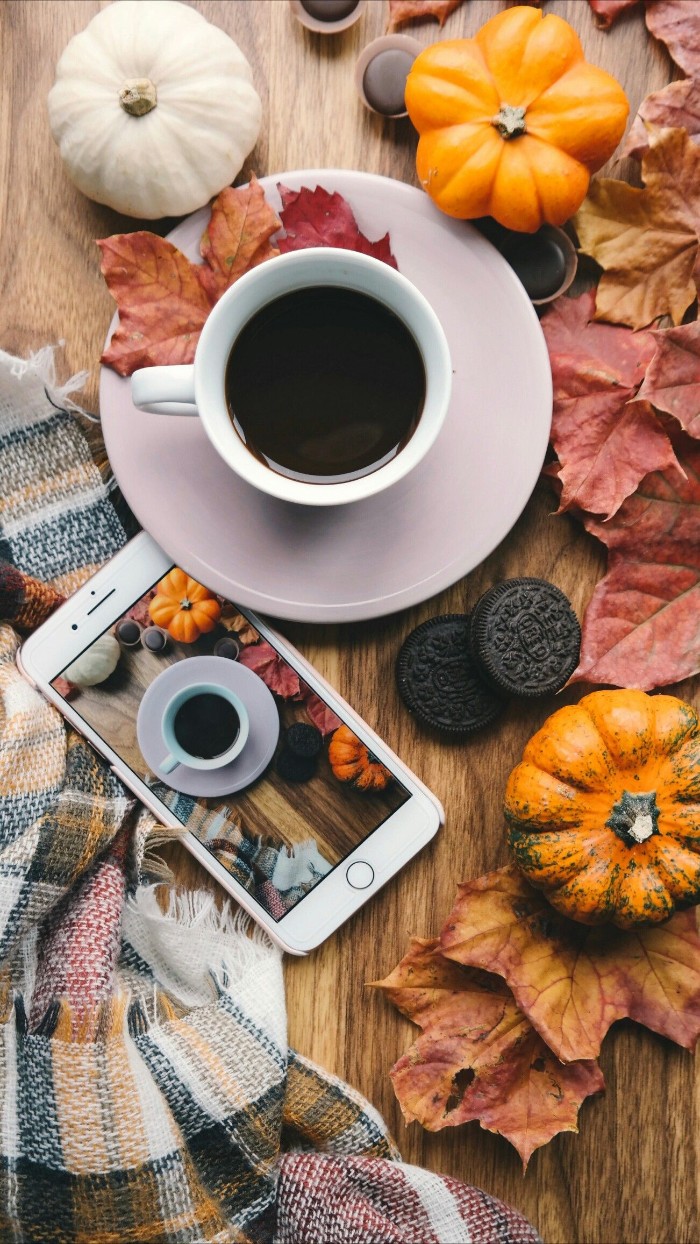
(513, 122)
(604, 810)
(351, 761)
(183, 607)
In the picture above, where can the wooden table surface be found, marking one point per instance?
(630, 1175)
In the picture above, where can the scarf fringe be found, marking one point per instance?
(42, 363)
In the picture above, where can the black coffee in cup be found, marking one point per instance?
(325, 384)
(206, 725)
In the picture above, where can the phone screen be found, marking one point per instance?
(276, 785)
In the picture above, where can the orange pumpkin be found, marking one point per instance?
(513, 122)
(183, 607)
(351, 761)
(604, 810)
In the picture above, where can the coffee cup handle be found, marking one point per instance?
(170, 763)
(164, 390)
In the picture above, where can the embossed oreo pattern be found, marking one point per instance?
(526, 637)
(439, 680)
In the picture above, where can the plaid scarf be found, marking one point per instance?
(147, 1092)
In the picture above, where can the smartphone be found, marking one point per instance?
(219, 725)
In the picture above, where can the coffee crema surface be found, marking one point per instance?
(325, 384)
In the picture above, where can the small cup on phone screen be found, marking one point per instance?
(204, 726)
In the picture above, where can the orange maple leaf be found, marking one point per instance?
(163, 298)
(572, 981)
(478, 1057)
(646, 240)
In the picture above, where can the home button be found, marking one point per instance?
(360, 875)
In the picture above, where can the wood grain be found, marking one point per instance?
(631, 1173)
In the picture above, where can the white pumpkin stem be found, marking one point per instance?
(510, 121)
(138, 96)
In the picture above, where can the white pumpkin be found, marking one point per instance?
(95, 664)
(153, 108)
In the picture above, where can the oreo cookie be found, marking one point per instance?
(303, 739)
(295, 768)
(440, 682)
(526, 637)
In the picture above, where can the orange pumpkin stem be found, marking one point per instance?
(510, 121)
(185, 604)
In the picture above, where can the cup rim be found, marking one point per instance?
(299, 269)
(181, 697)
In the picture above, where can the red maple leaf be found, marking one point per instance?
(318, 218)
(677, 24)
(672, 380)
(605, 440)
(642, 625)
(275, 672)
(607, 11)
(414, 10)
(320, 714)
(572, 981)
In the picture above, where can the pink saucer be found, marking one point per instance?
(410, 541)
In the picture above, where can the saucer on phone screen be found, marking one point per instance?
(262, 739)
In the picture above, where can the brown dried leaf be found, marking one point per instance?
(479, 1058)
(672, 381)
(234, 621)
(646, 240)
(677, 106)
(573, 981)
(606, 442)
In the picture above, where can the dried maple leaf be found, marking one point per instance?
(267, 664)
(163, 299)
(162, 302)
(414, 10)
(672, 381)
(321, 715)
(572, 981)
(236, 622)
(646, 240)
(479, 1058)
(237, 237)
(318, 218)
(606, 442)
(607, 11)
(642, 625)
(677, 106)
(677, 24)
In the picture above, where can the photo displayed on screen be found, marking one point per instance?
(227, 735)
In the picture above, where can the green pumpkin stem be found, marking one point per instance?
(635, 817)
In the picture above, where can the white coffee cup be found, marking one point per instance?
(177, 754)
(199, 388)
